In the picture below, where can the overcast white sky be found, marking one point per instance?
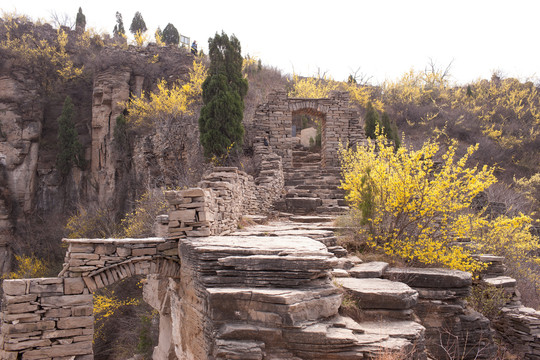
(384, 38)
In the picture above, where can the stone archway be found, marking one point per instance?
(342, 124)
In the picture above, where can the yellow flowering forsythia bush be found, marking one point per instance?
(28, 267)
(32, 49)
(139, 222)
(320, 87)
(169, 101)
(410, 206)
(105, 305)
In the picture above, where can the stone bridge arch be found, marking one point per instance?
(52, 318)
(103, 262)
(341, 123)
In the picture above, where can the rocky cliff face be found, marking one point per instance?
(31, 188)
(21, 114)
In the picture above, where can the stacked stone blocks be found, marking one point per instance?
(46, 318)
(223, 197)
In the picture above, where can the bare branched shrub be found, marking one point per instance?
(488, 300)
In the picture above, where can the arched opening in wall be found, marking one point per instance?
(308, 134)
(125, 325)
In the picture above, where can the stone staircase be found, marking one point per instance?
(311, 188)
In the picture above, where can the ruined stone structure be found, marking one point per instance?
(253, 296)
(340, 124)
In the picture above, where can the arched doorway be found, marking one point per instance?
(307, 132)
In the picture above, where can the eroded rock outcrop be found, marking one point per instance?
(265, 298)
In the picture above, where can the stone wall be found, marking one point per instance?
(224, 195)
(46, 318)
(340, 124)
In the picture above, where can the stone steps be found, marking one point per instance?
(311, 188)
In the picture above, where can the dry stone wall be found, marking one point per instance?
(224, 196)
(340, 124)
(52, 318)
(46, 318)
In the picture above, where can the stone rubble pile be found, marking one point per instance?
(518, 325)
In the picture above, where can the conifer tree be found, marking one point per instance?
(137, 24)
(220, 122)
(70, 149)
(171, 35)
(119, 27)
(372, 120)
(390, 130)
(80, 22)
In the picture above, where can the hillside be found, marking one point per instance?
(116, 187)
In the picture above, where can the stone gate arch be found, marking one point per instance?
(341, 124)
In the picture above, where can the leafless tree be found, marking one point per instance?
(433, 68)
(61, 19)
(360, 78)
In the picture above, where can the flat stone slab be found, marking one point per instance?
(379, 293)
(311, 219)
(402, 329)
(490, 258)
(340, 273)
(305, 203)
(501, 281)
(430, 278)
(258, 219)
(374, 269)
(258, 245)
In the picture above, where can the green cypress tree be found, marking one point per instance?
(119, 27)
(70, 149)
(137, 24)
(469, 91)
(220, 121)
(372, 120)
(389, 130)
(171, 35)
(80, 22)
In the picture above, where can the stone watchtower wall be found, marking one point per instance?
(340, 124)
